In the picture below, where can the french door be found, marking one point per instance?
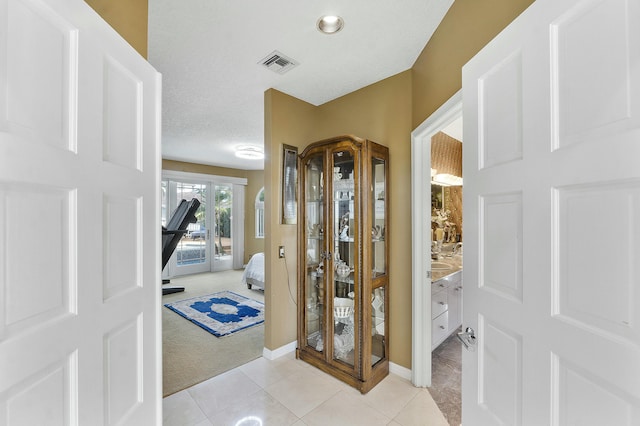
(215, 241)
(223, 230)
(192, 255)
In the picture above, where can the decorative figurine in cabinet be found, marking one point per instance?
(343, 283)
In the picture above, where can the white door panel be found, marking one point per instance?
(79, 207)
(552, 219)
(52, 41)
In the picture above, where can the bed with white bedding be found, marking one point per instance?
(253, 275)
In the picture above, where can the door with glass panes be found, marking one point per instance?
(192, 255)
(208, 243)
(222, 231)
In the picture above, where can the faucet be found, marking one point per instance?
(456, 247)
(434, 250)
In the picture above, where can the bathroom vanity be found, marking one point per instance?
(446, 298)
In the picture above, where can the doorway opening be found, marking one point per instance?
(437, 319)
(208, 261)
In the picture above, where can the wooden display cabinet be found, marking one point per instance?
(343, 277)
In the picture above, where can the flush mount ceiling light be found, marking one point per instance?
(330, 24)
(249, 152)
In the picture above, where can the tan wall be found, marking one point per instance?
(288, 121)
(252, 245)
(128, 17)
(467, 27)
(382, 113)
(386, 112)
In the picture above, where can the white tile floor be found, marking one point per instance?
(287, 391)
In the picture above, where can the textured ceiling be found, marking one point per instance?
(213, 87)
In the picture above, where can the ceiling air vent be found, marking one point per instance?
(277, 62)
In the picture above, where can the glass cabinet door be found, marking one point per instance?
(345, 255)
(378, 258)
(378, 228)
(315, 257)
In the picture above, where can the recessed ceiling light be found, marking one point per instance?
(330, 24)
(249, 152)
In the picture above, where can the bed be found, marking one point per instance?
(253, 275)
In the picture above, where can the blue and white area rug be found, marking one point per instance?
(220, 313)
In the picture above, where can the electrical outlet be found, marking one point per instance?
(281, 252)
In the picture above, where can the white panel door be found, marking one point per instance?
(79, 221)
(552, 218)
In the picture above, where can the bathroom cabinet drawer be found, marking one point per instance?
(441, 284)
(454, 301)
(446, 307)
(438, 303)
(439, 329)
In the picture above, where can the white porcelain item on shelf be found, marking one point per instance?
(342, 269)
(342, 307)
(344, 234)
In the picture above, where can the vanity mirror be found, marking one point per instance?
(446, 213)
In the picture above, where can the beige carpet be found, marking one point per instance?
(192, 355)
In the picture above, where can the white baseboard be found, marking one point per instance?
(281, 351)
(396, 369)
(399, 370)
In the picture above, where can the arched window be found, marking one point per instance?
(260, 214)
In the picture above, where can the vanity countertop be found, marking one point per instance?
(455, 262)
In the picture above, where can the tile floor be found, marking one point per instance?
(446, 378)
(287, 391)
